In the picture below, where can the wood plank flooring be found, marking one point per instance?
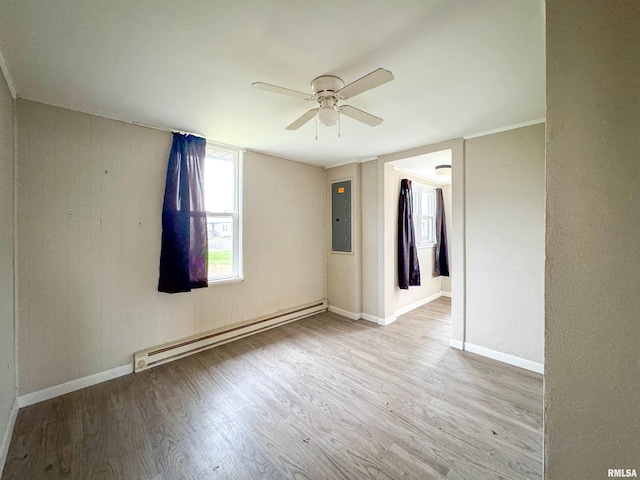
(321, 398)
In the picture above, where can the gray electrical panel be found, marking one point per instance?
(341, 216)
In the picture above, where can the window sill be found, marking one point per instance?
(429, 245)
(222, 281)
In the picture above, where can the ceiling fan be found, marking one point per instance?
(328, 90)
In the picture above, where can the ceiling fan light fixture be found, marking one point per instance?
(328, 91)
(328, 116)
(443, 170)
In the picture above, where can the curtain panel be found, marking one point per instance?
(408, 267)
(441, 252)
(184, 253)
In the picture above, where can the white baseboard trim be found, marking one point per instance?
(456, 344)
(387, 321)
(344, 313)
(505, 358)
(370, 318)
(417, 304)
(8, 433)
(364, 316)
(73, 385)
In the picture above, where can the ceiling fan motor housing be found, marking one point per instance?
(326, 86)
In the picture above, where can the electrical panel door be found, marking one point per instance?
(341, 216)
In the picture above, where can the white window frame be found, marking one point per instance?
(236, 216)
(418, 189)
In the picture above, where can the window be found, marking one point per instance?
(222, 194)
(424, 214)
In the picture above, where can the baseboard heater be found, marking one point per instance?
(168, 352)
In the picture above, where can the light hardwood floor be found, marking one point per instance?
(321, 398)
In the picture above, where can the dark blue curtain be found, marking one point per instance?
(441, 260)
(408, 267)
(184, 254)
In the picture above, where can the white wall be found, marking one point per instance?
(592, 364)
(7, 340)
(505, 242)
(344, 270)
(90, 202)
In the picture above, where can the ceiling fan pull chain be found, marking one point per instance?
(316, 128)
(339, 124)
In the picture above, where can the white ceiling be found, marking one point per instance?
(425, 166)
(460, 66)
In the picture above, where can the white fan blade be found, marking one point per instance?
(360, 116)
(372, 80)
(303, 119)
(284, 91)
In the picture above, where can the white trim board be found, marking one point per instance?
(417, 304)
(456, 344)
(430, 181)
(364, 316)
(347, 162)
(371, 318)
(344, 313)
(8, 433)
(73, 385)
(505, 358)
(505, 129)
(386, 321)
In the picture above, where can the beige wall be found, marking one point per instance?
(505, 242)
(592, 381)
(90, 201)
(370, 225)
(344, 270)
(7, 358)
(429, 285)
(445, 285)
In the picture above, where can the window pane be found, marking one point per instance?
(416, 215)
(219, 183)
(426, 201)
(429, 202)
(426, 227)
(220, 233)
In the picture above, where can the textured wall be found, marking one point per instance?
(370, 225)
(592, 381)
(7, 363)
(505, 242)
(90, 202)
